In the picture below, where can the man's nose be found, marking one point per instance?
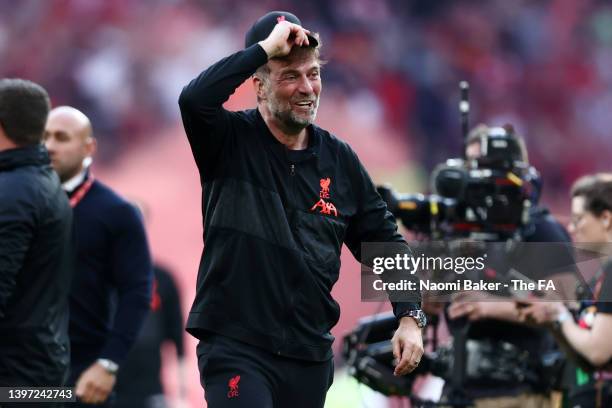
(305, 85)
(50, 145)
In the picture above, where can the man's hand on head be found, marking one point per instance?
(407, 345)
(95, 384)
(284, 36)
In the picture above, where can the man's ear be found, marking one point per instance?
(258, 86)
(5, 142)
(606, 219)
(91, 146)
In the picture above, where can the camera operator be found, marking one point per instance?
(590, 225)
(497, 319)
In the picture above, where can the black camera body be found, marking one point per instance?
(369, 356)
(487, 198)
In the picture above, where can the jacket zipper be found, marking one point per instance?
(291, 295)
(292, 181)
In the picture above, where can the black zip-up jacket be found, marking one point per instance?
(274, 220)
(36, 264)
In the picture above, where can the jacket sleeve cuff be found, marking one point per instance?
(401, 308)
(258, 53)
(114, 351)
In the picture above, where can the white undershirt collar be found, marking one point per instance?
(75, 181)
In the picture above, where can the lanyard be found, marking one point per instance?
(81, 191)
(599, 278)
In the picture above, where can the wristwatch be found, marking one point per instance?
(110, 366)
(418, 315)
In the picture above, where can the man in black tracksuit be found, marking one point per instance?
(280, 196)
(36, 247)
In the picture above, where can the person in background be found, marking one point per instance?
(496, 318)
(36, 246)
(589, 336)
(111, 290)
(139, 380)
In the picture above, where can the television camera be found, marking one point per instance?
(487, 198)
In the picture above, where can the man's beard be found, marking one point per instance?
(288, 118)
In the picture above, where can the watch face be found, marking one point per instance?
(421, 318)
(108, 365)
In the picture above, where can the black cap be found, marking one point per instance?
(264, 26)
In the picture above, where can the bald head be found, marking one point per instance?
(69, 139)
(70, 119)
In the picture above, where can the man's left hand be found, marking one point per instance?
(95, 384)
(407, 346)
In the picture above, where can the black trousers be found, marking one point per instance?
(238, 375)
